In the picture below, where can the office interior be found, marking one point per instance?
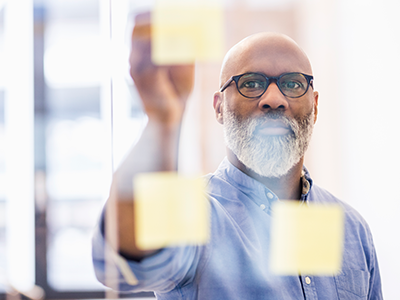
(69, 113)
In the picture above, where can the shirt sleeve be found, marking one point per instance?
(375, 285)
(161, 272)
(370, 256)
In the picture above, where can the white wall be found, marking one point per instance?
(370, 62)
(354, 47)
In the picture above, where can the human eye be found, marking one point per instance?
(292, 85)
(253, 84)
(252, 81)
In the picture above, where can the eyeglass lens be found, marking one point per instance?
(291, 85)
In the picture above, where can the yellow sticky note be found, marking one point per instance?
(185, 31)
(306, 239)
(169, 210)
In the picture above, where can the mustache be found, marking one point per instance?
(291, 123)
(274, 115)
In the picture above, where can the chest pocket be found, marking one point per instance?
(352, 284)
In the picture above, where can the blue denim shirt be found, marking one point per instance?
(234, 264)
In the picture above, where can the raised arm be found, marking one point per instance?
(164, 91)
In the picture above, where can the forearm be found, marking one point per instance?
(156, 151)
(164, 91)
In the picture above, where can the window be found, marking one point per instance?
(60, 146)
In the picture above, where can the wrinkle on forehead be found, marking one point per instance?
(275, 45)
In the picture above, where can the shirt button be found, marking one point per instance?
(308, 280)
(270, 196)
(262, 206)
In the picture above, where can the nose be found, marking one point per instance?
(273, 99)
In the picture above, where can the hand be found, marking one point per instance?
(164, 89)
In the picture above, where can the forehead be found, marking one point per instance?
(271, 56)
(271, 62)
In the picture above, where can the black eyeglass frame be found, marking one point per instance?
(275, 79)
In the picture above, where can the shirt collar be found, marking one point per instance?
(306, 183)
(250, 186)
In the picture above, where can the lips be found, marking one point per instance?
(274, 127)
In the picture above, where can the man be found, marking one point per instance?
(268, 107)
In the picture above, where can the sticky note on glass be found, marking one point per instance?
(185, 31)
(306, 239)
(169, 210)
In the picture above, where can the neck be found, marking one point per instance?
(287, 187)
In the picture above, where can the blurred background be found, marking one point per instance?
(69, 113)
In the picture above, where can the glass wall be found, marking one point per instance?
(75, 144)
(61, 140)
(69, 113)
(89, 117)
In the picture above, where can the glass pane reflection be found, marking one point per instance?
(76, 141)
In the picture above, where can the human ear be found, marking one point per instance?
(316, 96)
(218, 107)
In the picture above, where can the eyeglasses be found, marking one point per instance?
(254, 85)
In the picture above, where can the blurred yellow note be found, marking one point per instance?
(185, 31)
(306, 239)
(169, 210)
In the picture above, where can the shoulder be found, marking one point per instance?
(320, 195)
(354, 220)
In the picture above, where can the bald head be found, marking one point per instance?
(269, 53)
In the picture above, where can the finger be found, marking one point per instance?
(140, 57)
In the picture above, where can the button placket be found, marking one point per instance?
(309, 287)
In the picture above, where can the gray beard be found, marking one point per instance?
(268, 156)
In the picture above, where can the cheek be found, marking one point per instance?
(241, 108)
(304, 106)
(301, 111)
(309, 113)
